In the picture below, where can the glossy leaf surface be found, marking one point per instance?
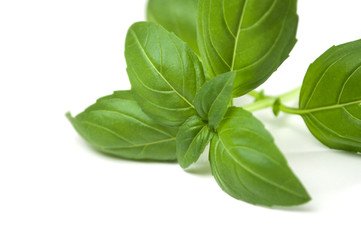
(192, 138)
(213, 98)
(331, 97)
(248, 166)
(116, 125)
(252, 37)
(178, 16)
(164, 72)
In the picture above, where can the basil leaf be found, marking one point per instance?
(178, 16)
(252, 37)
(213, 98)
(164, 72)
(192, 138)
(116, 125)
(248, 166)
(331, 97)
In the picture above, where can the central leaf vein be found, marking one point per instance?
(159, 73)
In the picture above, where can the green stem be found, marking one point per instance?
(297, 111)
(268, 101)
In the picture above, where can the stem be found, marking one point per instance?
(290, 110)
(270, 100)
(297, 111)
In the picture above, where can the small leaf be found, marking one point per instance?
(331, 96)
(192, 138)
(178, 16)
(251, 37)
(212, 101)
(248, 166)
(276, 107)
(164, 72)
(116, 125)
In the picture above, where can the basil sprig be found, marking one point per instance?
(187, 64)
(160, 89)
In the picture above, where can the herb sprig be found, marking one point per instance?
(187, 63)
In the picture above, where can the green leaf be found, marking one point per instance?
(164, 72)
(330, 97)
(192, 138)
(178, 16)
(252, 37)
(248, 166)
(116, 125)
(212, 100)
(276, 107)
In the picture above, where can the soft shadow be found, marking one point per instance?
(307, 208)
(201, 167)
(326, 175)
(280, 121)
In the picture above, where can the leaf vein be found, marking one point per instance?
(257, 175)
(159, 73)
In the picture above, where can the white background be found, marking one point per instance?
(59, 56)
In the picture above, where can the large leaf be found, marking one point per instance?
(252, 37)
(192, 138)
(214, 97)
(164, 72)
(330, 97)
(178, 16)
(116, 125)
(247, 164)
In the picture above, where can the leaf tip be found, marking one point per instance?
(68, 116)
(303, 200)
(182, 164)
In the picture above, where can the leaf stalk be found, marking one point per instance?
(268, 101)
